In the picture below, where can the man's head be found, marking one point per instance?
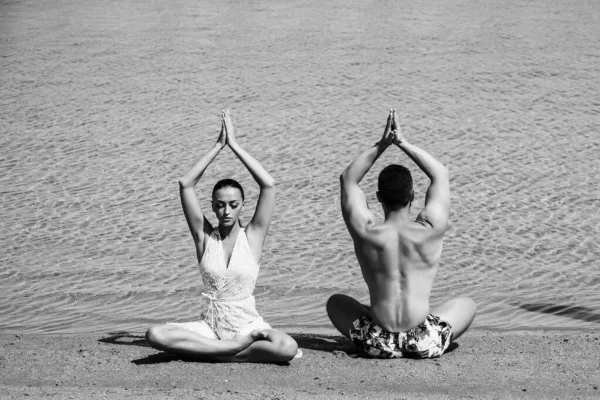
(395, 187)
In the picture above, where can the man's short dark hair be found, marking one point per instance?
(395, 186)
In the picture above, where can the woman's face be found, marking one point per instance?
(227, 205)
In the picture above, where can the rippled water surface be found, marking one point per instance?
(104, 105)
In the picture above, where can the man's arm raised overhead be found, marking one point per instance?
(354, 202)
(436, 212)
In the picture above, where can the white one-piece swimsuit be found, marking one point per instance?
(231, 311)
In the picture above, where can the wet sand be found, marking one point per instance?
(481, 364)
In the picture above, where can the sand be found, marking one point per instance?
(481, 365)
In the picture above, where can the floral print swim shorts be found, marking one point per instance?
(427, 340)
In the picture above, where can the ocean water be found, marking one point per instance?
(103, 105)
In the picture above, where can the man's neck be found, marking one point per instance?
(399, 215)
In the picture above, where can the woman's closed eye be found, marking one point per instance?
(232, 204)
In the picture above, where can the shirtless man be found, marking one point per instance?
(398, 258)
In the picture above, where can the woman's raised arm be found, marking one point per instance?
(259, 225)
(199, 226)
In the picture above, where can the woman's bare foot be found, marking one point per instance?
(254, 336)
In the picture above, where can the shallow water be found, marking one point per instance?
(103, 107)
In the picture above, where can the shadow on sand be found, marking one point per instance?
(576, 312)
(128, 339)
(340, 346)
(125, 338)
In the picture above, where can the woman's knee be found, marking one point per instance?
(286, 347)
(155, 335)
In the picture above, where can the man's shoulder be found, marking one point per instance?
(388, 230)
(418, 232)
(370, 232)
(428, 230)
(380, 234)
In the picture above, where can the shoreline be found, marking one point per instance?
(331, 331)
(481, 364)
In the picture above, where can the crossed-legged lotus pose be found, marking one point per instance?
(399, 258)
(229, 257)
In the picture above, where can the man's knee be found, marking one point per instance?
(468, 306)
(335, 302)
(458, 306)
(459, 313)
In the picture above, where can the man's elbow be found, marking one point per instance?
(442, 174)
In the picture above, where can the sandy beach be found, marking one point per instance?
(480, 365)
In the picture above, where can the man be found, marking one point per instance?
(398, 258)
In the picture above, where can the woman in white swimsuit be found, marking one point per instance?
(229, 257)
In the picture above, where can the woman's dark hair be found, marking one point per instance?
(395, 186)
(225, 183)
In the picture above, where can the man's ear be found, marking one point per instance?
(383, 206)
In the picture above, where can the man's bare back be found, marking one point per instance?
(399, 265)
(399, 257)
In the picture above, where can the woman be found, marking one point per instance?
(229, 257)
